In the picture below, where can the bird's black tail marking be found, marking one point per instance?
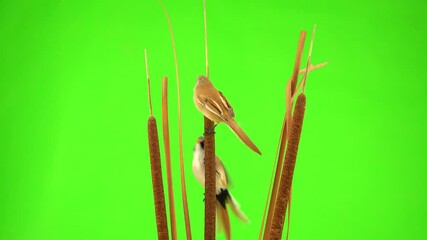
(222, 197)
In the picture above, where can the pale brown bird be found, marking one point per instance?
(215, 106)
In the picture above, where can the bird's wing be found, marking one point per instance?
(211, 106)
(222, 175)
(227, 104)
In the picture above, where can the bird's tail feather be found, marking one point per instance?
(235, 207)
(242, 135)
(223, 220)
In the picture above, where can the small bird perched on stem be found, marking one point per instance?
(213, 104)
(223, 196)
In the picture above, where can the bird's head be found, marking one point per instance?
(202, 80)
(200, 142)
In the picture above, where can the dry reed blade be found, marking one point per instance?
(166, 142)
(206, 38)
(298, 61)
(150, 106)
(181, 156)
(210, 168)
(156, 171)
(260, 236)
(313, 34)
(302, 71)
(291, 89)
(283, 196)
(282, 144)
(284, 134)
(309, 67)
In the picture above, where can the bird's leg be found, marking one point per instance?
(209, 130)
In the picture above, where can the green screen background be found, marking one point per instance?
(73, 114)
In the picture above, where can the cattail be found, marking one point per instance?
(278, 212)
(156, 175)
(156, 166)
(288, 169)
(290, 89)
(282, 145)
(166, 141)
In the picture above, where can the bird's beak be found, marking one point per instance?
(197, 141)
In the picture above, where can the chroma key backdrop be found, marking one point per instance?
(74, 161)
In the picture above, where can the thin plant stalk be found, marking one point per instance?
(166, 141)
(210, 168)
(309, 57)
(181, 156)
(206, 38)
(156, 170)
(150, 106)
(261, 233)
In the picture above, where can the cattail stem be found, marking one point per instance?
(156, 175)
(210, 178)
(210, 168)
(166, 141)
(288, 169)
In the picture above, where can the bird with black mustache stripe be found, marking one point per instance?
(223, 196)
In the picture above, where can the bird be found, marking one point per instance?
(223, 196)
(215, 106)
